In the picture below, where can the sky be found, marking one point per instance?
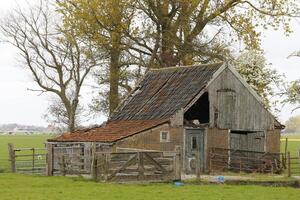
(19, 105)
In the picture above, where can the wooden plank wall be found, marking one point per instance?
(247, 113)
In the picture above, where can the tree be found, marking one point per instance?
(293, 124)
(293, 90)
(252, 65)
(58, 61)
(104, 24)
(163, 33)
(293, 94)
(188, 31)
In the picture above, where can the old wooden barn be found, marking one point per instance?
(206, 110)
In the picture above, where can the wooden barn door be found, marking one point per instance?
(195, 145)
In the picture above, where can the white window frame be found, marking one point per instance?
(168, 136)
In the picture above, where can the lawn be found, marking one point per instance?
(23, 187)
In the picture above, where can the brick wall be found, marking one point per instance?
(150, 139)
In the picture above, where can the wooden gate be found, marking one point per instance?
(136, 166)
(27, 160)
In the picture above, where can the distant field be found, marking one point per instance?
(293, 143)
(15, 186)
(18, 141)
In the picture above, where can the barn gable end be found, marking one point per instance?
(234, 104)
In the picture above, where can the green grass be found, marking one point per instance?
(293, 146)
(19, 141)
(21, 187)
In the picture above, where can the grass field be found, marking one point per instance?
(21, 187)
(293, 143)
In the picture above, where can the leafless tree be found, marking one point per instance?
(58, 61)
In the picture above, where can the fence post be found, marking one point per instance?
(49, 160)
(198, 164)
(33, 156)
(285, 150)
(94, 161)
(140, 162)
(106, 166)
(289, 163)
(12, 157)
(177, 163)
(210, 161)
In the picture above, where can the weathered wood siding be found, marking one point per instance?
(232, 106)
(273, 141)
(150, 139)
(216, 138)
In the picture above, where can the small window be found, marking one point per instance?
(194, 143)
(164, 136)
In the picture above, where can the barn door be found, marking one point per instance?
(249, 141)
(194, 144)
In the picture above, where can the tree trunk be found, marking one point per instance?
(114, 72)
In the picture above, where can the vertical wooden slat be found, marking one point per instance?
(62, 165)
(177, 163)
(198, 164)
(140, 159)
(12, 157)
(94, 161)
(289, 163)
(33, 155)
(49, 160)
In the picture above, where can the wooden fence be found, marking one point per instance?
(293, 164)
(247, 161)
(122, 166)
(136, 166)
(27, 160)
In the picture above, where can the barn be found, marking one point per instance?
(207, 110)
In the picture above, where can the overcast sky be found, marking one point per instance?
(18, 105)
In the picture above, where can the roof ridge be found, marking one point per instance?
(186, 66)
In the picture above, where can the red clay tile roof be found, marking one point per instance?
(111, 132)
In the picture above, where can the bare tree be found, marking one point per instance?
(58, 61)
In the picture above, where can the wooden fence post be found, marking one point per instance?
(33, 157)
(285, 151)
(198, 164)
(106, 166)
(49, 160)
(12, 157)
(177, 163)
(140, 161)
(289, 163)
(94, 161)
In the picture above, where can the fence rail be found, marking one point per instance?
(134, 166)
(27, 160)
(293, 164)
(243, 160)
